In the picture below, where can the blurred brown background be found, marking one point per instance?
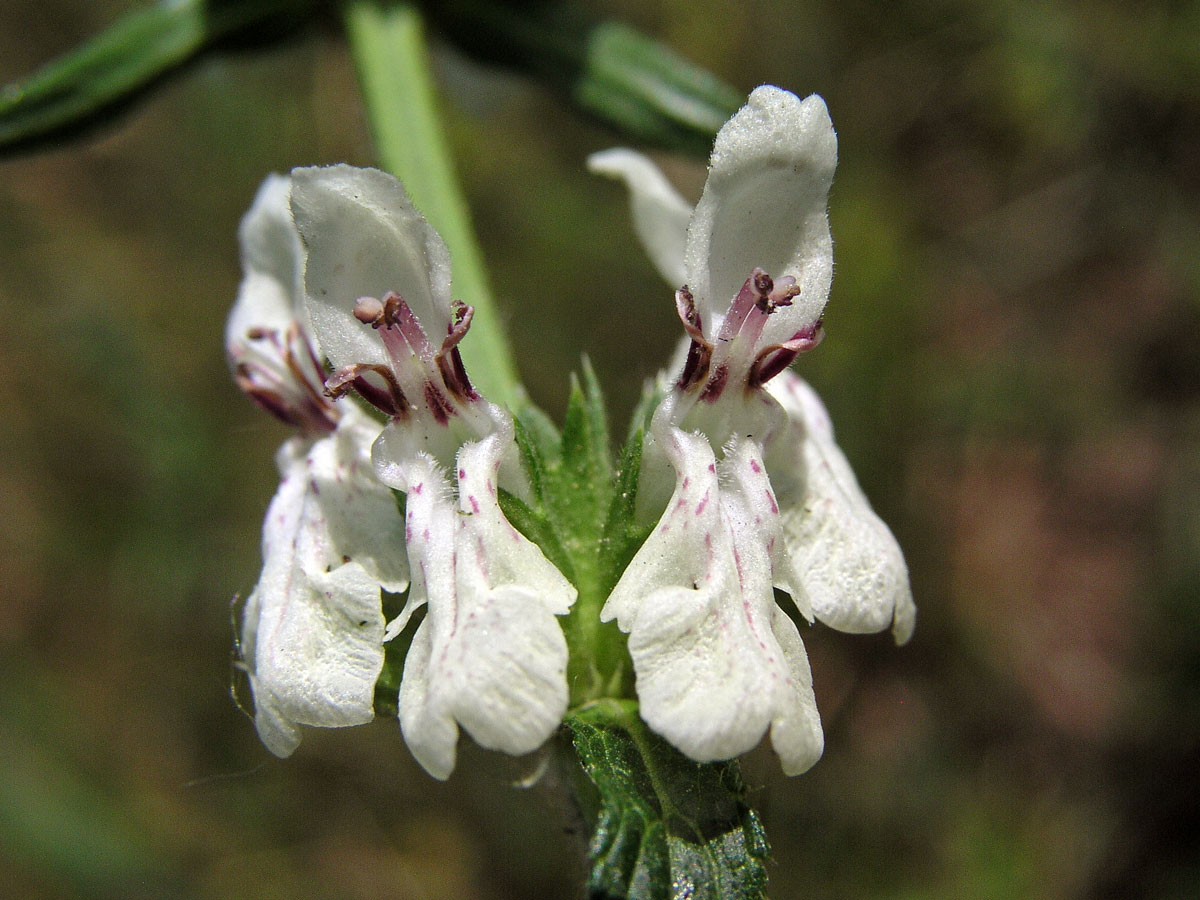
(1012, 361)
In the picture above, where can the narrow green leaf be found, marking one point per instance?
(652, 92)
(637, 85)
(665, 826)
(84, 85)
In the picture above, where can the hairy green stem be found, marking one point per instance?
(387, 41)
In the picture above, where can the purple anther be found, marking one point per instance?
(388, 399)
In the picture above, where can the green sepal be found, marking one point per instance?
(652, 395)
(584, 473)
(539, 429)
(665, 826)
(622, 534)
(88, 83)
(532, 458)
(633, 83)
(387, 686)
(533, 524)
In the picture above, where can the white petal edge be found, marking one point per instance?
(270, 293)
(854, 572)
(660, 214)
(764, 204)
(363, 237)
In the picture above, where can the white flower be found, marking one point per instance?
(489, 654)
(312, 630)
(762, 498)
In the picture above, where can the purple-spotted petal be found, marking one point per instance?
(716, 664)
(489, 655)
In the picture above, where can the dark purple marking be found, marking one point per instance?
(439, 404)
(454, 375)
(695, 367)
(715, 386)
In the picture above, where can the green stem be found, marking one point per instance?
(387, 41)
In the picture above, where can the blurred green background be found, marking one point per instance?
(1012, 362)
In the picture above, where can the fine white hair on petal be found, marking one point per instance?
(313, 628)
(716, 665)
(660, 214)
(855, 577)
(271, 291)
(363, 238)
(361, 517)
(764, 204)
(489, 655)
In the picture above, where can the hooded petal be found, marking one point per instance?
(660, 215)
(271, 265)
(489, 655)
(364, 238)
(855, 577)
(764, 205)
(313, 627)
(717, 661)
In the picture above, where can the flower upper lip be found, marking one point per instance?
(763, 207)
